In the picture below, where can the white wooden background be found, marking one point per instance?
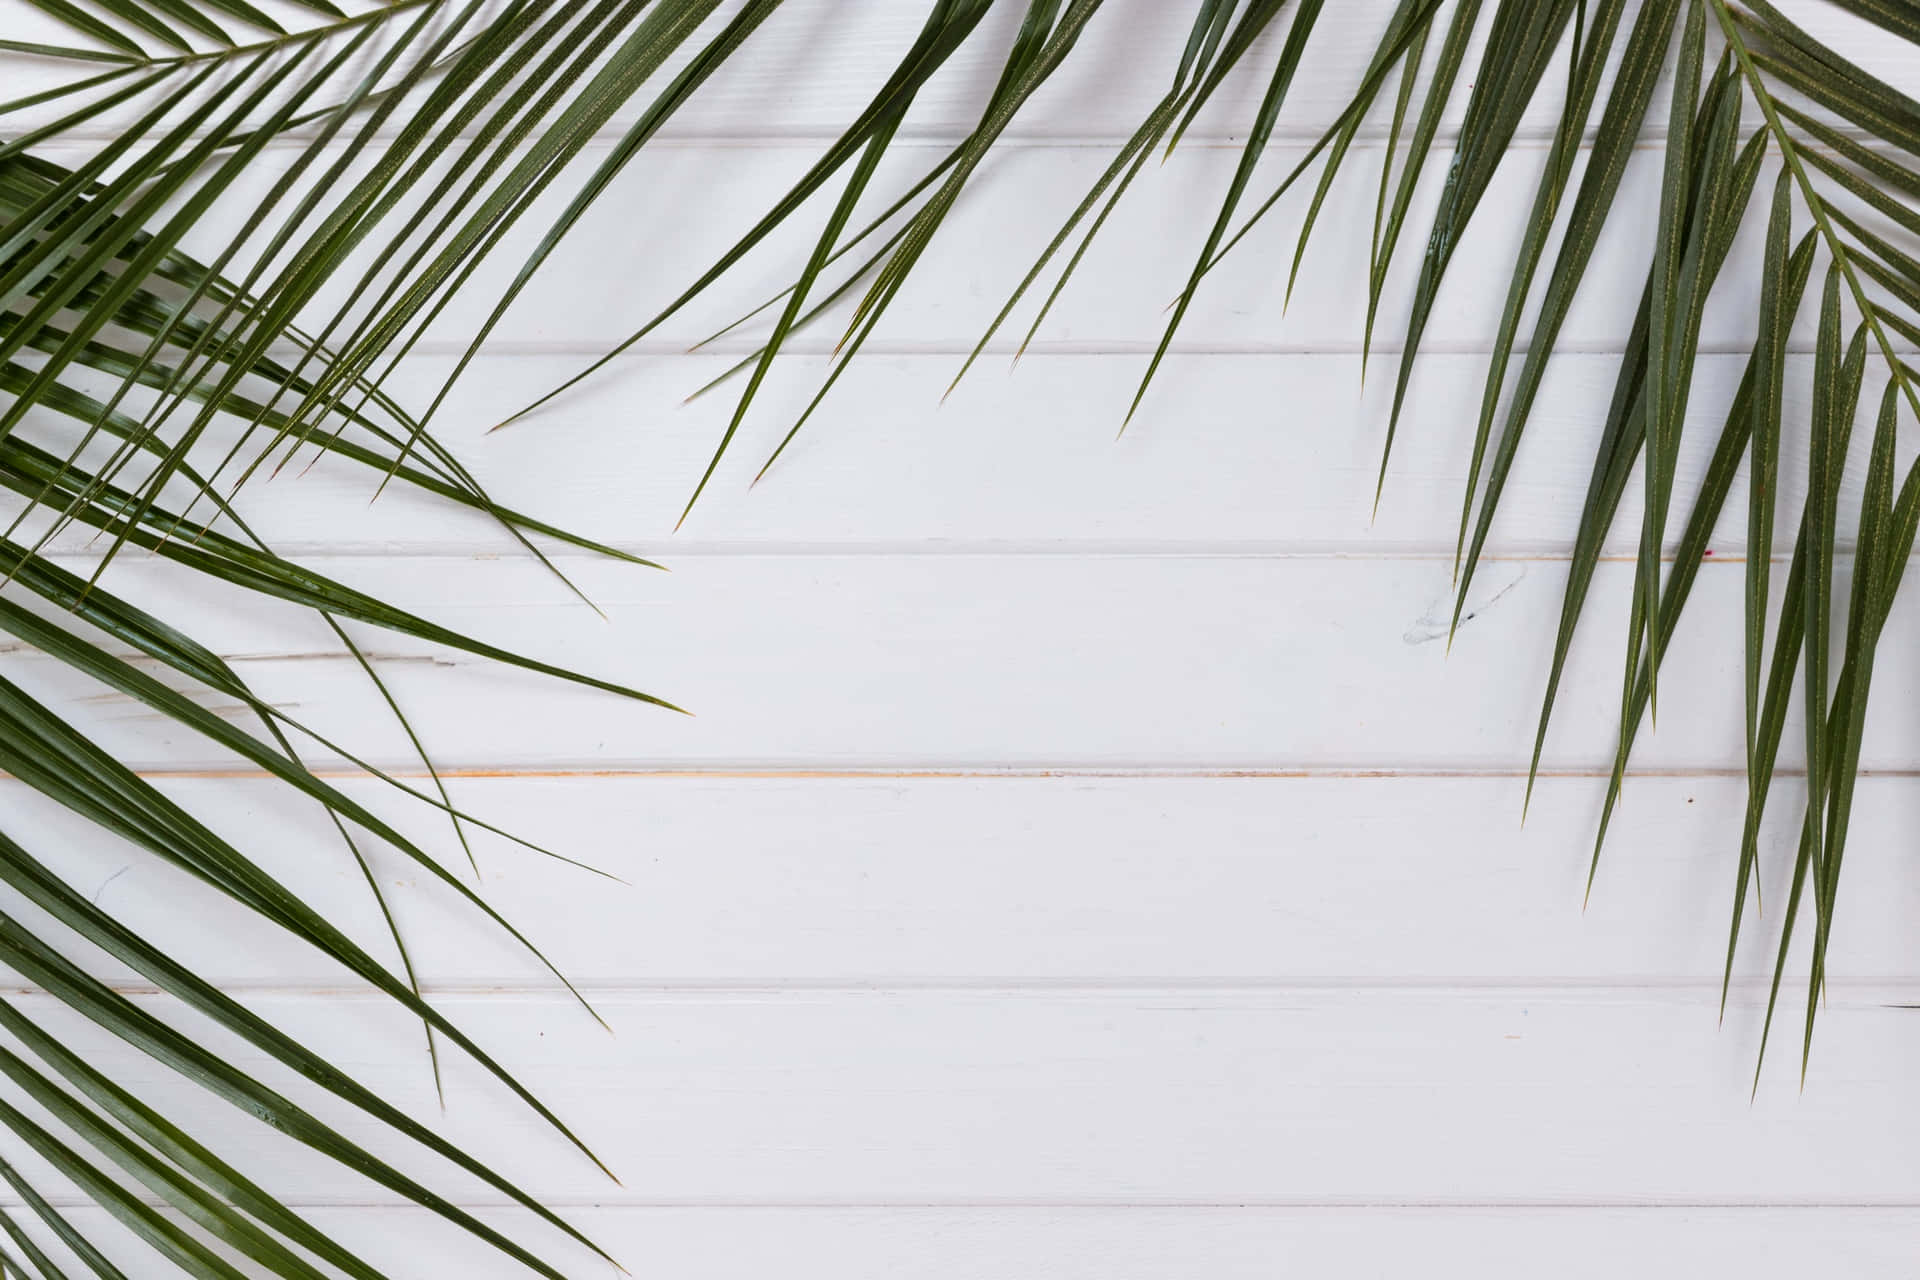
(1084, 862)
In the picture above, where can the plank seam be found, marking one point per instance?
(959, 348)
(1895, 992)
(1011, 773)
(1371, 137)
(937, 548)
(1090, 1204)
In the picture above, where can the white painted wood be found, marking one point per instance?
(1354, 1096)
(1124, 661)
(1228, 1243)
(1095, 1007)
(1151, 1243)
(595, 290)
(1020, 462)
(1124, 64)
(1023, 881)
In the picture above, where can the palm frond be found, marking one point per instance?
(1750, 89)
(418, 136)
(419, 132)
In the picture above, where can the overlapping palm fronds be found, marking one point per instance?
(360, 163)
(1751, 92)
(143, 385)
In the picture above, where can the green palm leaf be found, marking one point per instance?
(1846, 143)
(423, 132)
(95, 284)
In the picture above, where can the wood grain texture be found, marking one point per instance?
(1132, 661)
(916, 882)
(1381, 1094)
(1228, 1243)
(1125, 62)
(595, 291)
(1020, 462)
(1156, 1243)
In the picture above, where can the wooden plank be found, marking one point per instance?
(1290, 1097)
(688, 205)
(1026, 462)
(958, 882)
(1125, 62)
(1223, 1244)
(1124, 662)
(596, 289)
(1137, 1243)
(1230, 1243)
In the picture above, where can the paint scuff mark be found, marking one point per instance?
(109, 880)
(1490, 585)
